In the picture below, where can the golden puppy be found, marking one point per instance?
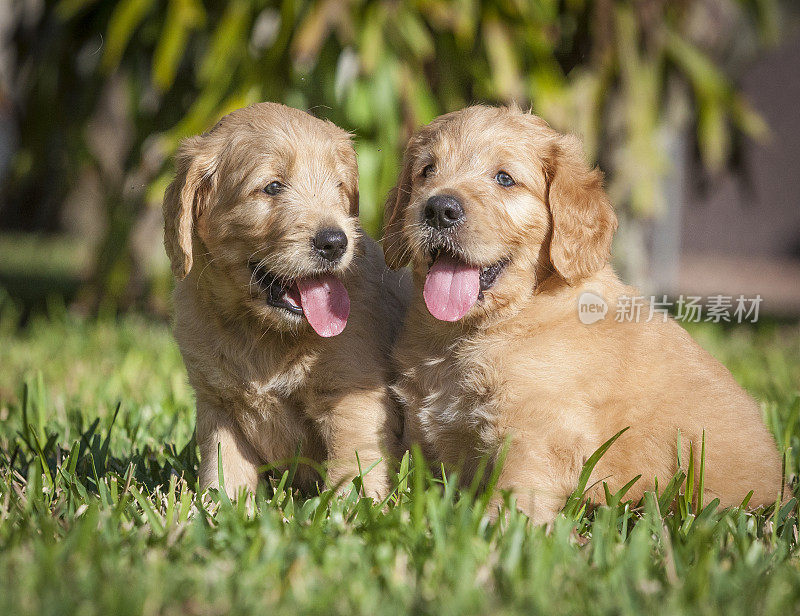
(505, 228)
(283, 313)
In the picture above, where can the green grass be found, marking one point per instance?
(36, 267)
(99, 513)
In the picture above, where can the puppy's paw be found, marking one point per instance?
(373, 487)
(374, 483)
(377, 487)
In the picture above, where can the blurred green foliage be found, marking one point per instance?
(618, 72)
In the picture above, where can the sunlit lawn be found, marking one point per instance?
(99, 513)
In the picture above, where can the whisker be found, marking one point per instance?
(200, 275)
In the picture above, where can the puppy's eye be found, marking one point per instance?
(428, 170)
(504, 179)
(273, 188)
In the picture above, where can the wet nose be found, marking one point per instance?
(443, 211)
(330, 244)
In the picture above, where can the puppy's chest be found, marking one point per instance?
(454, 394)
(269, 402)
(261, 384)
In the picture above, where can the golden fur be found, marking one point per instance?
(520, 364)
(266, 384)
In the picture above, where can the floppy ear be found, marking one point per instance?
(396, 250)
(583, 219)
(185, 199)
(348, 155)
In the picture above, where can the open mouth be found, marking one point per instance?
(321, 299)
(453, 285)
(280, 293)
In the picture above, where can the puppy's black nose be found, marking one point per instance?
(443, 211)
(330, 244)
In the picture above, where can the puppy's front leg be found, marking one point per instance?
(218, 432)
(539, 475)
(364, 422)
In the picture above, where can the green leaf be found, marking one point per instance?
(371, 45)
(712, 133)
(413, 32)
(183, 16)
(153, 518)
(701, 479)
(67, 9)
(575, 499)
(502, 56)
(126, 17)
(227, 44)
(671, 491)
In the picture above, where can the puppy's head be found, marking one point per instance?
(490, 202)
(264, 207)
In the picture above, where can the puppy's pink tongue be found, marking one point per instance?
(451, 288)
(325, 303)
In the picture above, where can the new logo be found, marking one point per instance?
(591, 308)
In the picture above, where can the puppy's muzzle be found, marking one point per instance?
(330, 244)
(443, 212)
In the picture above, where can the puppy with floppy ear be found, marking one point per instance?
(284, 312)
(507, 232)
